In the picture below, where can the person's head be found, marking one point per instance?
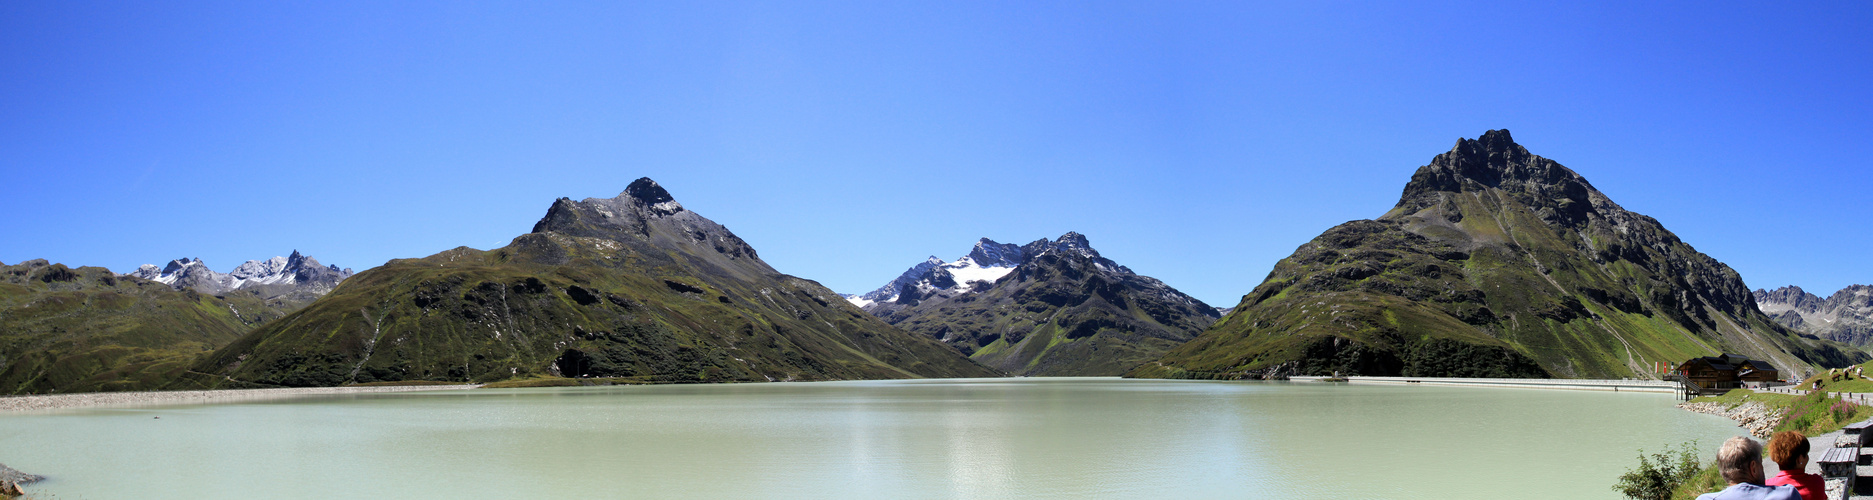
(1788, 449)
(1740, 460)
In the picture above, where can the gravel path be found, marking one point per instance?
(91, 399)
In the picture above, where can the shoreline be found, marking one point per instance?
(1658, 386)
(42, 402)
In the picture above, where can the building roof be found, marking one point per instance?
(1728, 361)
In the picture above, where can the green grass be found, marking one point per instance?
(1706, 481)
(1812, 415)
(1816, 408)
(1366, 294)
(1844, 382)
(555, 305)
(81, 330)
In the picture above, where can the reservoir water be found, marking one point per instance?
(965, 439)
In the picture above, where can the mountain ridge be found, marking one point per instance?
(1061, 310)
(298, 271)
(1494, 262)
(1844, 316)
(85, 329)
(635, 287)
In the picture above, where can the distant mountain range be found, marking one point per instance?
(934, 278)
(1047, 308)
(1495, 262)
(301, 272)
(1845, 316)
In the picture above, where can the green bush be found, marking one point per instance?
(1661, 474)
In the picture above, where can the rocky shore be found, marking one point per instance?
(8, 474)
(1759, 420)
(10, 481)
(91, 399)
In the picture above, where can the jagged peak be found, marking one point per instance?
(1495, 161)
(988, 252)
(178, 264)
(1072, 241)
(646, 192)
(1492, 141)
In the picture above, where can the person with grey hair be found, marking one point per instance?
(1740, 461)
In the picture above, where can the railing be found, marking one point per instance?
(1861, 398)
(1636, 385)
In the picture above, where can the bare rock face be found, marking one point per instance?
(1845, 316)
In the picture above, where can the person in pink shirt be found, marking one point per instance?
(1789, 451)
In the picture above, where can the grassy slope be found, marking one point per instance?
(66, 330)
(1484, 271)
(1846, 382)
(597, 308)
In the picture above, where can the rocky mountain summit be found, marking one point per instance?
(1495, 262)
(1047, 308)
(934, 278)
(1845, 316)
(296, 272)
(635, 287)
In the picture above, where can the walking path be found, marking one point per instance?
(1632, 385)
(1861, 398)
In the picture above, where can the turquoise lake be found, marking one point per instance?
(963, 439)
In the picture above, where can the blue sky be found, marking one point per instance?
(1194, 142)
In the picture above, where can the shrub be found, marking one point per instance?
(1798, 418)
(1843, 410)
(1661, 474)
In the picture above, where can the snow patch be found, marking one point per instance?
(966, 270)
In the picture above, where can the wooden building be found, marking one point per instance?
(1726, 371)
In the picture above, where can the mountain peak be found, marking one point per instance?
(1072, 241)
(989, 253)
(1494, 161)
(1493, 140)
(646, 192)
(649, 198)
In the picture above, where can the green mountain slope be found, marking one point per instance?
(1064, 311)
(87, 329)
(633, 287)
(1494, 263)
